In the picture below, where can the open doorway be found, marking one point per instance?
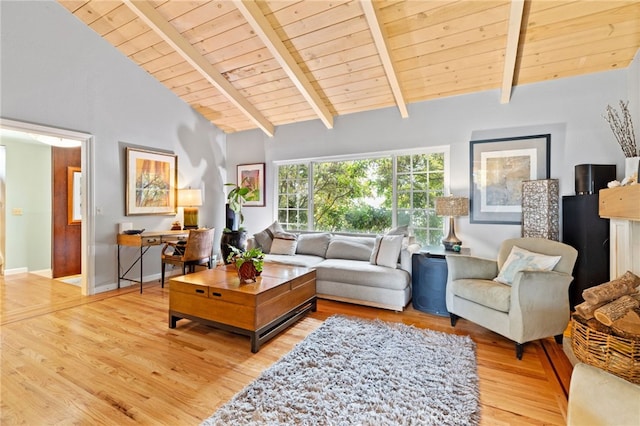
(83, 205)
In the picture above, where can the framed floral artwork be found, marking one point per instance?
(151, 186)
(252, 176)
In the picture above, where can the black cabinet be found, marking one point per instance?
(429, 280)
(583, 229)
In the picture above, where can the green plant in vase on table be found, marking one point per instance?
(249, 263)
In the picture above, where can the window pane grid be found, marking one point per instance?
(358, 195)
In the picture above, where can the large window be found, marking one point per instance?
(367, 195)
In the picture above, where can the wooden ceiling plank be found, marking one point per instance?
(332, 14)
(252, 70)
(378, 33)
(341, 57)
(442, 15)
(565, 12)
(353, 41)
(625, 14)
(337, 31)
(490, 23)
(94, 9)
(586, 36)
(295, 11)
(479, 47)
(241, 38)
(73, 5)
(490, 61)
(151, 17)
(353, 81)
(459, 40)
(263, 29)
(126, 32)
(244, 60)
(611, 60)
(139, 42)
(581, 53)
(200, 15)
(511, 49)
(402, 10)
(113, 20)
(214, 27)
(342, 68)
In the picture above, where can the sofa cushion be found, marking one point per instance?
(386, 250)
(352, 248)
(362, 273)
(314, 244)
(264, 238)
(284, 243)
(487, 293)
(399, 230)
(521, 260)
(303, 260)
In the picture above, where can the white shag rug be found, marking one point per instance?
(358, 372)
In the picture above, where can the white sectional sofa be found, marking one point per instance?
(347, 269)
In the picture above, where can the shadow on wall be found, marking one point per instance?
(203, 146)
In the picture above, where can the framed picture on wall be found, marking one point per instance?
(498, 167)
(151, 182)
(252, 176)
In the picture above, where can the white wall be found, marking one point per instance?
(56, 71)
(570, 109)
(28, 188)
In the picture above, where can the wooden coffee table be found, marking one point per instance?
(215, 297)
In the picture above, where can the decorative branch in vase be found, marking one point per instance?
(622, 128)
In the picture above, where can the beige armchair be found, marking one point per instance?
(534, 306)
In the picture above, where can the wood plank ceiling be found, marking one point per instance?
(246, 65)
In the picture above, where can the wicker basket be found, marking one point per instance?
(617, 355)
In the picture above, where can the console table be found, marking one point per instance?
(145, 241)
(429, 279)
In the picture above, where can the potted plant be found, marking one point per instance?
(249, 263)
(234, 235)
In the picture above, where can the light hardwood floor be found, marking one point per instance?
(111, 359)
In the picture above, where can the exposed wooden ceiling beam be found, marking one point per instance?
(511, 51)
(380, 39)
(149, 15)
(252, 13)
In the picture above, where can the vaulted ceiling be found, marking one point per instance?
(259, 64)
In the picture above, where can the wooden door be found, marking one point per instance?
(66, 244)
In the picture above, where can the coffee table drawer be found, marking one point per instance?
(188, 288)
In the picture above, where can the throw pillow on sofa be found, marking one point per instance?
(314, 244)
(520, 259)
(350, 248)
(284, 243)
(264, 238)
(386, 250)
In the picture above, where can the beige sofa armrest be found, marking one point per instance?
(597, 397)
(539, 304)
(461, 267)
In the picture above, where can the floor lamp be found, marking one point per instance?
(452, 207)
(190, 199)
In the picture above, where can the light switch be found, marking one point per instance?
(16, 211)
